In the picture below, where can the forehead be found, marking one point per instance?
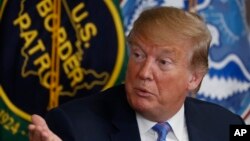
(147, 43)
(178, 51)
(159, 35)
(153, 49)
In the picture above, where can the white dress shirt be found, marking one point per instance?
(177, 123)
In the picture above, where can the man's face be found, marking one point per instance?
(158, 78)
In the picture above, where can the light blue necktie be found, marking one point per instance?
(162, 130)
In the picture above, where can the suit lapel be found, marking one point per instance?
(195, 122)
(125, 123)
(126, 131)
(194, 127)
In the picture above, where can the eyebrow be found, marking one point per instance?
(133, 45)
(164, 50)
(129, 43)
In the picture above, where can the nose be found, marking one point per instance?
(145, 72)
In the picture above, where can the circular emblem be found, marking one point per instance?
(57, 51)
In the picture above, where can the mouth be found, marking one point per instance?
(143, 92)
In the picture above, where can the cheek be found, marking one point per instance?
(173, 86)
(131, 72)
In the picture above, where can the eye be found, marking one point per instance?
(138, 55)
(164, 64)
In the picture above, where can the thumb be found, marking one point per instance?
(39, 121)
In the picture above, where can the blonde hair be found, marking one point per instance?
(171, 25)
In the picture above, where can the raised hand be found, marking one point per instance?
(39, 131)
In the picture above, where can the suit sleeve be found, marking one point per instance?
(59, 123)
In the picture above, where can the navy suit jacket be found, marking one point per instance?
(107, 116)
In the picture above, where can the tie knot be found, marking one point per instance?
(162, 130)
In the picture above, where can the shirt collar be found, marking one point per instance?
(177, 123)
(144, 124)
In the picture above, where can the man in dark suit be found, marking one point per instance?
(168, 60)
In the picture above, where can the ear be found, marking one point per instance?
(194, 80)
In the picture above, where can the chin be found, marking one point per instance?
(140, 105)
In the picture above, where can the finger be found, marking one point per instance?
(38, 121)
(35, 133)
(56, 138)
(49, 137)
(31, 129)
(38, 133)
(39, 130)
